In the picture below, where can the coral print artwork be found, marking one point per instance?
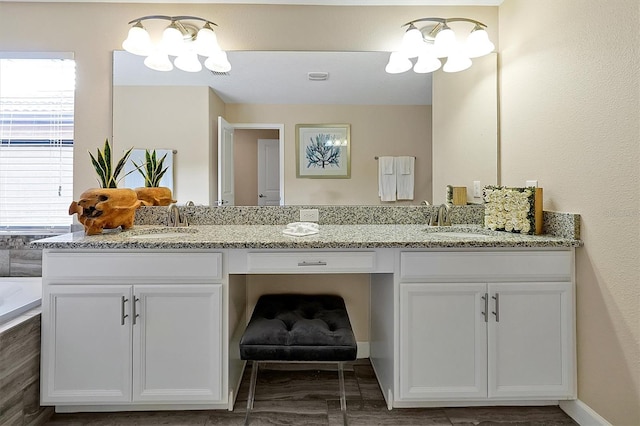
(322, 151)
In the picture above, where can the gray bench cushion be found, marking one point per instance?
(295, 327)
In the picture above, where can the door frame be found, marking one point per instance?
(275, 126)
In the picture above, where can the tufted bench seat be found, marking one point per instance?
(296, 327)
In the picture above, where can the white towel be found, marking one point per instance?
(405, 177)
(386, 165)
(386, 179)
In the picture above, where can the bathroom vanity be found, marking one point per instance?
(150, 318)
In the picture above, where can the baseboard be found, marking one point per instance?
(363, 349)
(582, 413)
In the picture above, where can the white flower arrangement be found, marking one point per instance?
(509, 209)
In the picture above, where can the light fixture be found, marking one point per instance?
(182, 39)
(438, 40)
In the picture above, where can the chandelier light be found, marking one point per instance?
(438, 41)
(181, 39)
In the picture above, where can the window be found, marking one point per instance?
(36, 141)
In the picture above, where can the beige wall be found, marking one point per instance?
(245, 164)
(465, 128)
(168, 111)
(570, 117)
(371, 135)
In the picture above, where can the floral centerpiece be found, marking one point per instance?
(509, 209)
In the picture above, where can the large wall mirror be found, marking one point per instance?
(267, 94)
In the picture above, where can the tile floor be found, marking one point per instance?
(288, 395)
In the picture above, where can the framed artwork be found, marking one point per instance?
(323, 151)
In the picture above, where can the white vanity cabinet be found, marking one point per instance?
(131, 328)
(486, 325)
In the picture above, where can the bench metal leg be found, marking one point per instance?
(252, 390)
(343, 394)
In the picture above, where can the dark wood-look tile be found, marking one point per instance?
(308, 395)
(547, 415)
(298, 384)
(374, 413)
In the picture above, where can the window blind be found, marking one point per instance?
(36, 142)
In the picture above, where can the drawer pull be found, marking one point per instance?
(497, 311)
(317, 263)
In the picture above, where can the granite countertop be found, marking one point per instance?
(330, 236)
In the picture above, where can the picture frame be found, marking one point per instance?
(323, 151)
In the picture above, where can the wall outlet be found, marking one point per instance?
(477, 189)
(309, 215)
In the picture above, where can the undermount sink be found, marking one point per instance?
(161, 233)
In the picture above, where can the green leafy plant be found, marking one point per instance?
(152, 170)
(107, 174)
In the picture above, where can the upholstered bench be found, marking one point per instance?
(296, 327)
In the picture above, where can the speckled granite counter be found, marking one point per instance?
(330, 236)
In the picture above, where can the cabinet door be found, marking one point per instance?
(177, 343)
(531, 340)
(86, 344)
(443, 351)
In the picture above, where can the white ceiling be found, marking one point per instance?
(280, 77)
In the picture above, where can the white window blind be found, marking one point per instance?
(36, 142)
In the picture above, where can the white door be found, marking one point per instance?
(530, 340)
(87, 345)
(268, 172)
(178, 343)
(443, 352)
(226, 195)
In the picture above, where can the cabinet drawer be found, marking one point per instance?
(311, 262)
(149, 266)
(473, 266)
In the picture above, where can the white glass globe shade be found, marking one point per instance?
(478, 44)
(412, 42)
(444, 42)
(427, 63)
(158, 61)
(206, 41)
(138, 41)
(172, 40)
(218, 62)
(188, 62)
(398, 63)
(457, 61)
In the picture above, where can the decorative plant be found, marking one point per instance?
(152, 170)
(107, 174)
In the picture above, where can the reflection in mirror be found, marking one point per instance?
(390, 115)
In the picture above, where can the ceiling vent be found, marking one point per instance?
(318, 76)
(218, 73)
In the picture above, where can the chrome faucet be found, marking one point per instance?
(441, 217)
(173, 217)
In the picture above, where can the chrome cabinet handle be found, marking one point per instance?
(135, 313)
(486, 307)
(497, 311)
(317, 263)
(122, 310)
(261, 195)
